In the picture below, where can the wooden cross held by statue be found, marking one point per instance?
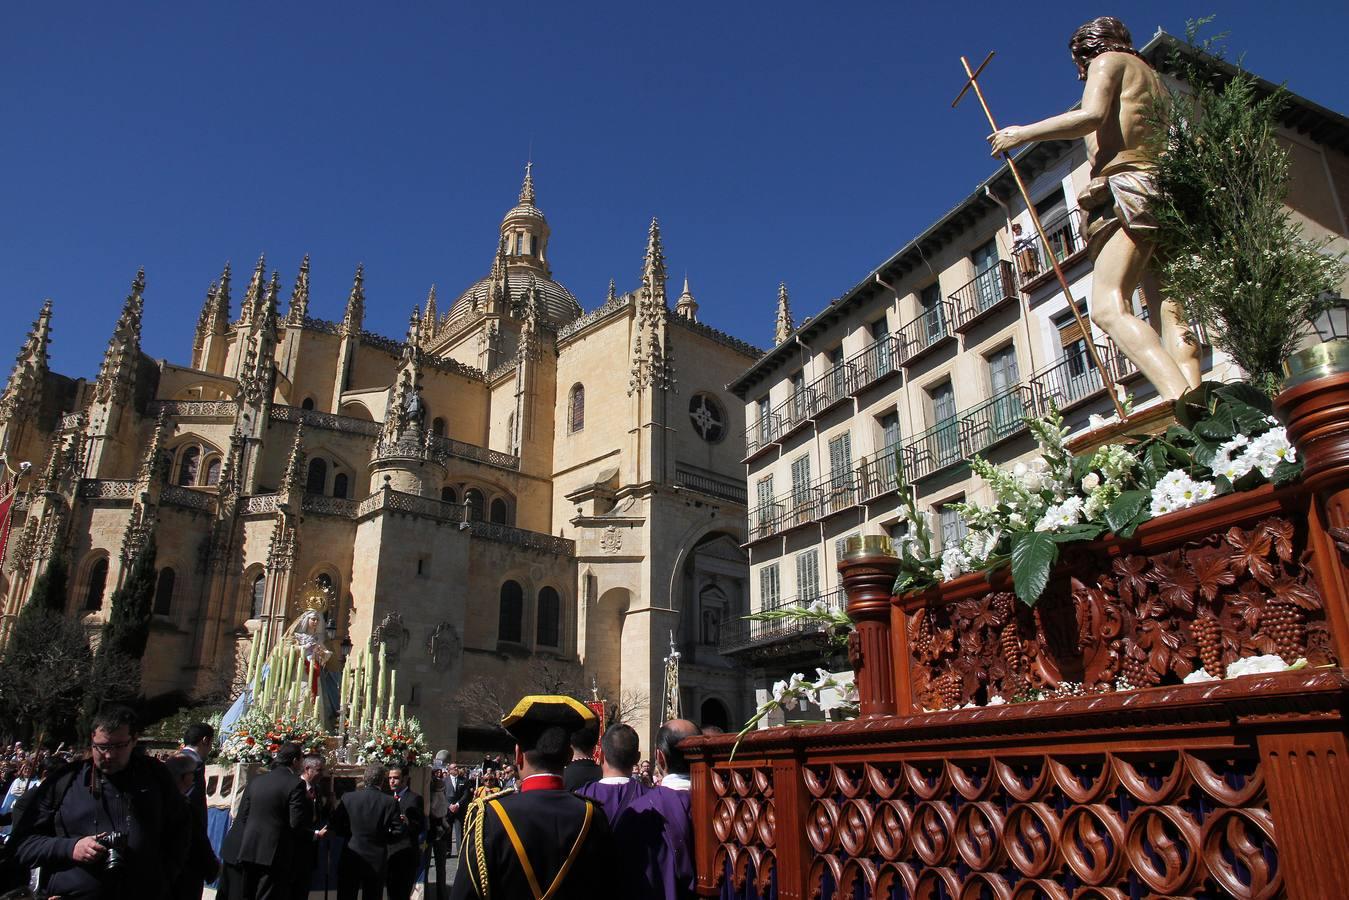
(1106, 378)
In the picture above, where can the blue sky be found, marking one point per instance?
(791, 141)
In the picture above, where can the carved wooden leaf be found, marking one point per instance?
(1174, 581)
(1211, 571)
(1291, 590)
(1132, 582)
(1281, 532)
(1250, 553)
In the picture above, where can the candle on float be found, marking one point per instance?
(393, 693)
(370, 675)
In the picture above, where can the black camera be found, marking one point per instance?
(116, 843)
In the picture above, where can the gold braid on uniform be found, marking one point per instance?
(475, 827)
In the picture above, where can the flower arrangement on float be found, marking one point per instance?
(400, 743)
(260, 733)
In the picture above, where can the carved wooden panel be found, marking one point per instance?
(1151, 619)
(1014, 825)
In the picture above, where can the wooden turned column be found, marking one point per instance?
(868, 570)
(1316, 412)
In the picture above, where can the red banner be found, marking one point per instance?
(9, 487)
(597, 707)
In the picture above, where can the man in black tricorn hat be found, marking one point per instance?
(542, 840)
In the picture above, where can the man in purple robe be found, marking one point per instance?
(617, 789)
(657, 827)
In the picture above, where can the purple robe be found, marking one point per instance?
(657, 828)
(614, 799)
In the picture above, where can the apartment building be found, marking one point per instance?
(936, 355)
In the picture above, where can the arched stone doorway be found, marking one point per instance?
(714, 712)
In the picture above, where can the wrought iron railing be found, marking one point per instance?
(878, 360)
(925, 332)
(938, 448)
(1033, 256)
(834, 386)
(997, 419)
(879, 473)
(762, 433)
(710, 483)
(746, 634)
(1075, 378)
(989, 290)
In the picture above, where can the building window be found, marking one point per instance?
(988, 286)
(164, 592)
(708, 417)
(770, 591)
(800, 480)
(890, 436)
(764, 423)
(512, 612)
(520, 244)
(340, 485)
(308, 403)
(838, 380)
(840, 461)
(317, 478)
(449, 495)
(807, 576)
(549, 627)
(951, 524)
(500, 512)
(473, 497)
(98, 580)
(259, 600)
(880, 334)
(946, 436)
(533, 245)
(187, 466)
(213, 471)
(934, 313)
(438, 426)
(576, 408)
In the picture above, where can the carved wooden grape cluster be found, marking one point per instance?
(1020, 826)
(1151, 619)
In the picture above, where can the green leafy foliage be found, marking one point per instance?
(1230, 253)
(1033, 556)
(49, 590)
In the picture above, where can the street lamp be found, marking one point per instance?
(1333, 322)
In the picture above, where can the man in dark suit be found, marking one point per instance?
(541, 840)
(273, 815)
(365, 818)
(458, 794)
(583, 769)
(319, 807)
(197, 741)
(405, 850)
(200, 865)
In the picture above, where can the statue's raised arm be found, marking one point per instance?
(1117, 122)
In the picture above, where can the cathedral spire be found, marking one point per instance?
(222, 296)
(653, 267)
(354, 317)
(784, 325)
(686, 306)
(24, 388)
(271, 299)
(118, 371)
(253, 295)
(299, 295)
(527, 189)
(613, 293)
(153, 459)
(429, 318)
(293, 477)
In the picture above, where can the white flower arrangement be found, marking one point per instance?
(1177, 490)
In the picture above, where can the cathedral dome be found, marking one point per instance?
(522, 256)
(559, 305)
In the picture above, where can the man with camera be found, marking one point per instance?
(111, 826)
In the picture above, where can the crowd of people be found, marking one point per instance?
(552, 821)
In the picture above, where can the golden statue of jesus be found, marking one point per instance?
(1116, 120)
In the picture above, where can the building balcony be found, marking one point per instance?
(991, 290)
(1074, 379)
(800, 507)
(782, 640)
(926, 333)
(762, 435)
(878, 474)
(876, 362)
(710, 483)
(1035, 260)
